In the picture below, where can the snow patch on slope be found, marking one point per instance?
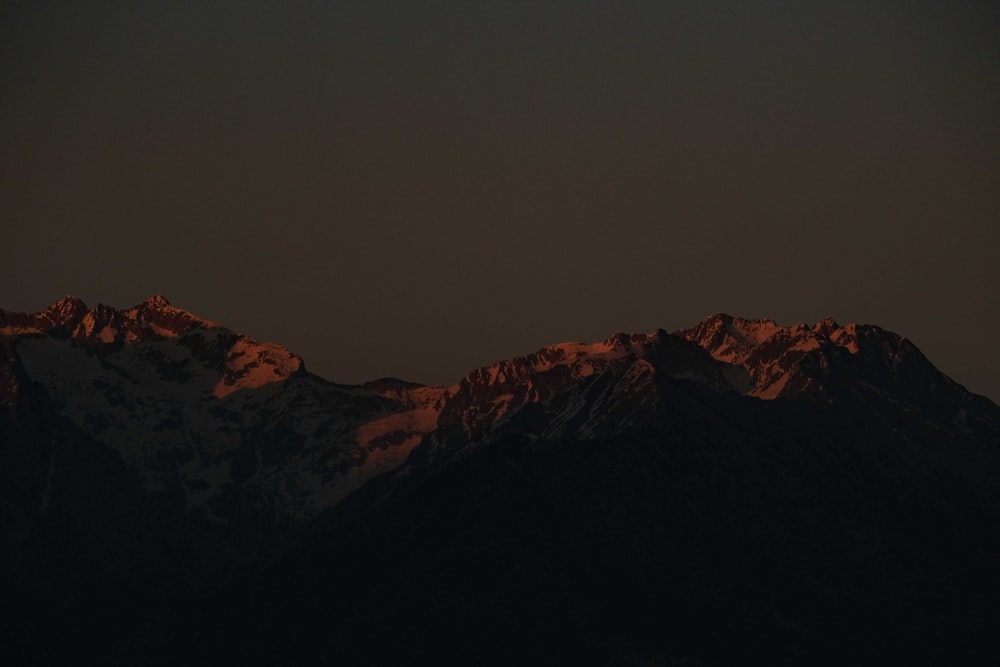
(251, 364)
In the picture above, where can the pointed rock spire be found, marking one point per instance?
(66, 312)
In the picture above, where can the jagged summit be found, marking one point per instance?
(730, 336)
(164, 318)
(67, 302)
(60, 318)
(65, 311)
(753, 356)
(70, 317)
(244, 362)
(156, 300)
(731, 339)
(585, 390)
(803, 359)
(759, 358)
(575, 360)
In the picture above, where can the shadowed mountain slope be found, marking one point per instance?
(737, 490)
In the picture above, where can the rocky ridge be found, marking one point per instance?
(743, 468)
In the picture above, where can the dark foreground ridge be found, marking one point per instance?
(173, 492)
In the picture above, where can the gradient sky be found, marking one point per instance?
(420, 188)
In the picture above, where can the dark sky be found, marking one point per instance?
(420, 188)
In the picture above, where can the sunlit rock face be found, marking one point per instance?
(574, 390)
(815, 360)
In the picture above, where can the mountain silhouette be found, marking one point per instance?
(736, 491)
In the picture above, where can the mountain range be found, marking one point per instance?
(172, 491)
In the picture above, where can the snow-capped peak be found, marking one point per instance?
(251, 364)
(70, 317)
(59, 318)
(773, 355)
(730, 338)
(67, 305)
(157, 314)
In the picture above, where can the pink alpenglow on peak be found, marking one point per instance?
(70, 317)
(248, 364)
(62, 316)
(164, 319)
(252, 364)
(787, 361)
